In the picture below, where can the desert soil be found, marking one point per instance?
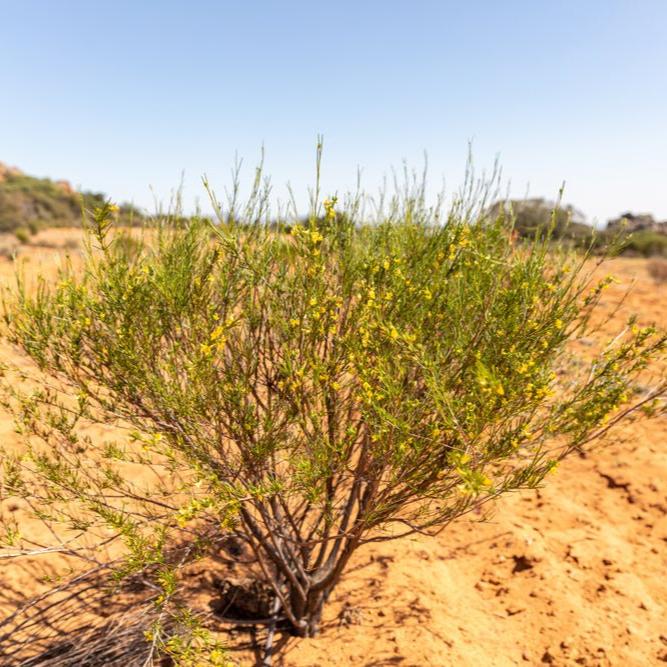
(574, 574)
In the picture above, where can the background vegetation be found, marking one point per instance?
(29, 203)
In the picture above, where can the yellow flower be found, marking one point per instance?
(558, 324)
(329, 208)
(500, 390)
(113, 208)
(217, 333)
(393, 333)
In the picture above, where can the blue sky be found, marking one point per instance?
(124, 96)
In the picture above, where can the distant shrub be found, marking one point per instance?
(34, 226)
(22, 234)
(71, 244)
(532, 217)
(646, 243)
(657, 269)
(311, 392)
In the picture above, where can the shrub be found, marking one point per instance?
(34, 226)
(646, 243)
(657, 269)
(70, 244)
(311, 392)
(537, 216)
(22, 234)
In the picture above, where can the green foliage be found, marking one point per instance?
(34, 226)
(22, 234)
(35, 203)
(646, 243)
(315, 391)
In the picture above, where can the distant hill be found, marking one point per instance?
(30, 203)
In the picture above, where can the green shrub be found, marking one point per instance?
(646, 243)
(22, 234)
(34, 226)
(532, 217)
(314, 391)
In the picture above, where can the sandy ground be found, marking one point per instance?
(571, 575)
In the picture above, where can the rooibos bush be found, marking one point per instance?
(315, 390)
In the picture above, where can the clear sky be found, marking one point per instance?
(123, 95)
